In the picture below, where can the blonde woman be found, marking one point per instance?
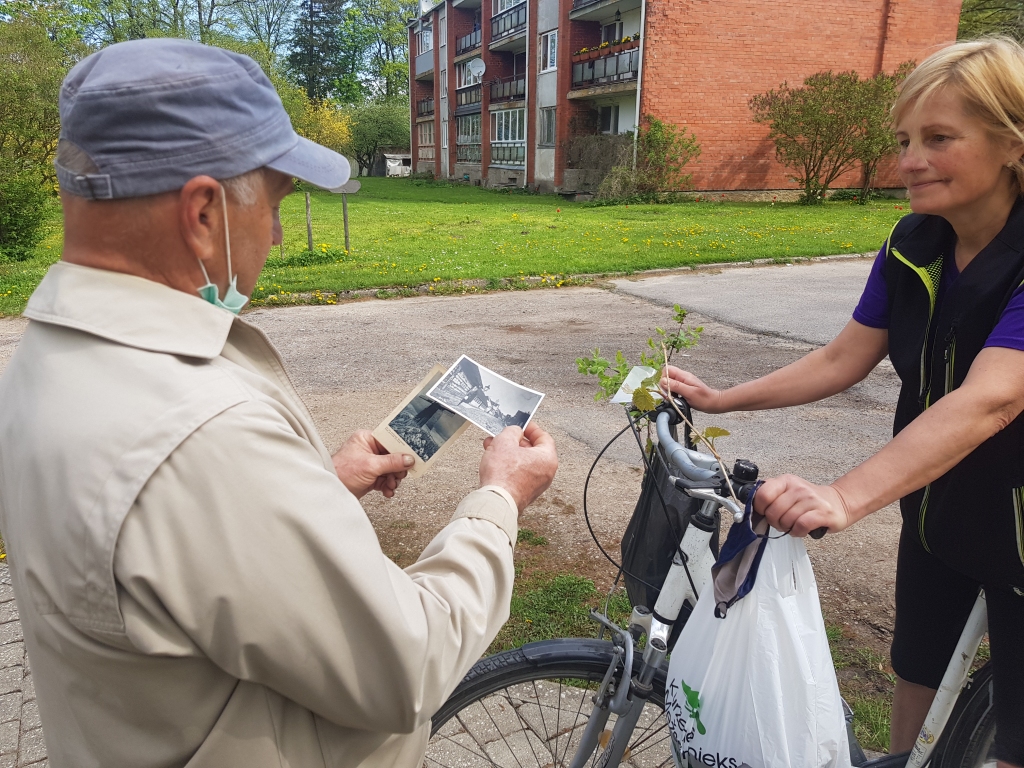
(945, 302)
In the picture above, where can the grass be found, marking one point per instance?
(408, 232)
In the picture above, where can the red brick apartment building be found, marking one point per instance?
(496, 88)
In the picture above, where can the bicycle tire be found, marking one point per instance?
(966, 740)
(508, 710)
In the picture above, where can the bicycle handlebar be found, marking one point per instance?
(703, 470)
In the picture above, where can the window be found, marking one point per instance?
(444, 83)
(464, 77)
(467, 138)
(548, 51)
(425, 133)
(547, 128)
(504, 5)
(442, 30)
(508, 125)
(425, 39)
(611, 32)
(444, 134)
(610, 119)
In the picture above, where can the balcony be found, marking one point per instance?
(468, 42)
(612, 69)
(425, 66)
(467, 153)
(508, 89)
(467, 100)
(508, 25)
(508, 153)
(426, 153)
(425, 107)
(600, 10)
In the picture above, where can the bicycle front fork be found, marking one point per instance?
(626, 699)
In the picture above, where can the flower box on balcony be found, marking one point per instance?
(594, 54)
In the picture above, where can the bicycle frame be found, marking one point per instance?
(688, 576)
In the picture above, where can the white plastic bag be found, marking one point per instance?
(758, 687)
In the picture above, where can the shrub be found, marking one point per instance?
(23, 202)
(662, 152)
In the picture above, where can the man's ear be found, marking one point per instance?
(200, 217)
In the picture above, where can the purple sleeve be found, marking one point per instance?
(873, 308)
(1009, 330)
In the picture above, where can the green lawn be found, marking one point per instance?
(409, 232)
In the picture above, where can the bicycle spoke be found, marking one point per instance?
(576, 721)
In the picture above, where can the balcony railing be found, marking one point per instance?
(509, 22)
(425, 107)
(467, 153)
(613, 68)
(468, 42)
(426, 153)
(577, 4)
(509, 153)
(467, 96)
(508, 89)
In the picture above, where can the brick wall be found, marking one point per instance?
(704, 59)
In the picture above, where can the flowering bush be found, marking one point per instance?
(603, 45)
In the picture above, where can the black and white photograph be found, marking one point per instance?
(486, 398)
(420, 425)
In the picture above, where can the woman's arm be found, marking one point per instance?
(990, 398)
(840, 364)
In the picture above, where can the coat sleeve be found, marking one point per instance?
(244, 548)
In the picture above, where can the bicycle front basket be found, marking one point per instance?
(655, 531)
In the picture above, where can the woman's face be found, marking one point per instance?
(949, 160)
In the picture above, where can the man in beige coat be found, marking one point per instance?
(196, 578)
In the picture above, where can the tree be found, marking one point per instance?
(268, 22)
(375, 126)
(991, 17)
(877, 140)
(387, 64)
(812, 128)
(325, 124)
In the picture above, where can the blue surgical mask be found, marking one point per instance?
(234, 299)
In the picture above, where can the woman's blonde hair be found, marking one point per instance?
(988, 74)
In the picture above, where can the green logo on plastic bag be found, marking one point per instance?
(693, 706)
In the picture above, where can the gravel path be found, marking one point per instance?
(351, 363)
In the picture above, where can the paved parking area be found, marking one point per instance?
(351, 363)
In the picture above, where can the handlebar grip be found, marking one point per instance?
(819, 533)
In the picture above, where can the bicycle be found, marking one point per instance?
(576, 702)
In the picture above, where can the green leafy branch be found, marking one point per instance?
(660, 349)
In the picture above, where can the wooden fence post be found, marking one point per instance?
(309, 224)
(344, 213)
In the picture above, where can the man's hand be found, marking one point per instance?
(363, 465)
(795, 506)
(523, 463)
(690, 388)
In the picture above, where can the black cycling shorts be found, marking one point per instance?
(933, 602)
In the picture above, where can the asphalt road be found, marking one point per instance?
(804, 301)
(353, 362)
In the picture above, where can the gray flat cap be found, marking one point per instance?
(145, 116)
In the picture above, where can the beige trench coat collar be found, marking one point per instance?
(130, 310)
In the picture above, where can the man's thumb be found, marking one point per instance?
(394, 463)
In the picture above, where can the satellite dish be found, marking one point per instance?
(477, 68)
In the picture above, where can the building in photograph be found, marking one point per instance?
(499, 93)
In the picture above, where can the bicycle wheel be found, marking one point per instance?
(529, 706)
(967, 739)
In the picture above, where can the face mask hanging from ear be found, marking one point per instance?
(234, 299)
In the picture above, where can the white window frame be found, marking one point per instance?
(468, 139)
(425, 39)
(463, 77)
(444, 133)
(508, 126)
(548, 124)
(425, 133)
(613, 120)
(618, 27)
(442, 28)
(500, 6)
(549, 51)
(444, 83)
